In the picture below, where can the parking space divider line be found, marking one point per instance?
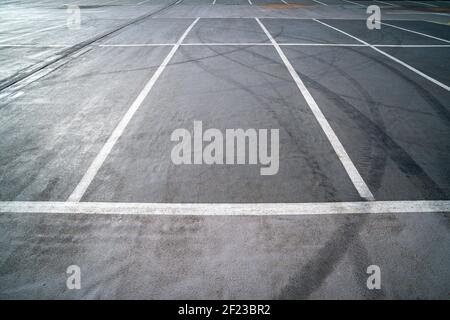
(358, 4)
(420, 73)
(349, 167)
(423, 3)
(324, 4)
(226, 209)
(412, 31)
(389, 4)
(90, 174)
(206, 44)
(33, 32)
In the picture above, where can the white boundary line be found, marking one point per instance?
(305, 44)
(324, 4)
(425, 4)
(250, 2)
(30, 33)
(82, 186)
(358, 4)
(280, 44)
(227, 209)
(35, 45)
(420, 73)
(412, 31)
(389, 4)
(349, 167)
(138, 45)
(412, 45)
(284, 1)
(109, 2)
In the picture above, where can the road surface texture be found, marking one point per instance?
(88, 106)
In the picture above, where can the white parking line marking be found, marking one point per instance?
(412, 31)
(233, 44)
(138, 45)
(284, 2)
(324, 4)
(214, 2)
(109, 2)
(82, 186)
(420, 73)
(358, 4)
(35, 45)
(227, 209)
(305, 44)
(30, 33)
(423, 3)
(389, 4)
(412, 45)
(250, 2)
(349, 167)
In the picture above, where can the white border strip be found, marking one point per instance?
(420, 73)
(412, 31)
(303, 44)
(227, 209)
(339, 149)
(358, 4)
(389, 4)
(324, 4)
(90, 174)
(424, 4)
(33, 32)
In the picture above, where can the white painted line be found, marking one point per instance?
(322, 44)
(349, 167)
(358, 4)
(138, 45)
(420, 13)
(214, 2)
(284, 2)
(234, 44)
(109, 2)
(324, 4)
(207, 44)
(143, 2)
(82, 186)
(38, 72)
(227, 209)
(280, 44)
(30, 33)
(389, 4)
(228, 44)
(420, 73)
(35, 45)
(436, 22)
(414, 45)
(424, 3)
(178, 2)
(412, 31)
(250, 2)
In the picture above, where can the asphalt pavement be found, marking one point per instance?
(87, 176)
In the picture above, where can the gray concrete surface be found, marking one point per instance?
(64, 91)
